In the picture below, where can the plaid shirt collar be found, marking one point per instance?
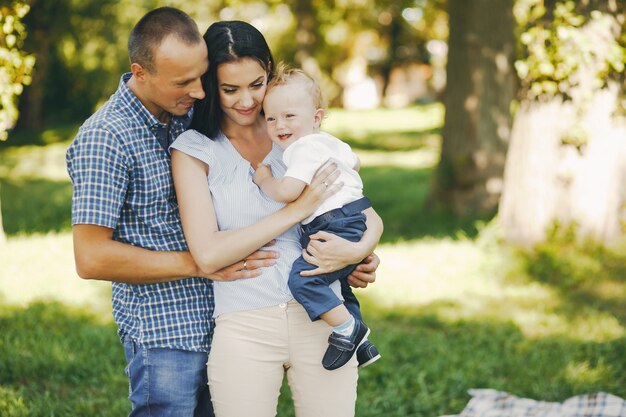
(136, 107)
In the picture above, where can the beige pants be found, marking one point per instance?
(250, 353)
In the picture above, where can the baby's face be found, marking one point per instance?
(290, 114)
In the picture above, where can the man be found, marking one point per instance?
(126, 226)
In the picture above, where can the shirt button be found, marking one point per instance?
(282, 305)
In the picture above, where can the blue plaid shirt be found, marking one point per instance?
(121, 179)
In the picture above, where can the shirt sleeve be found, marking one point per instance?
(100, 175)
(195, 144)
(346, 154)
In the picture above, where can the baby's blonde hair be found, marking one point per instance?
(285, 74)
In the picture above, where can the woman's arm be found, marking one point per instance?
(213, 249)
(330, 252)
(99, 257)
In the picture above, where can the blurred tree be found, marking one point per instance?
(405, 27)
(307, 27)
(15, 67)
(385, 34)
(479, 91)
(80, 45)
(15, 64)
(567, 158)
(325, 37)
(77, 44)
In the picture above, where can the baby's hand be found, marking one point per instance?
(261, 173)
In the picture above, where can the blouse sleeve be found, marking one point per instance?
(195, 144)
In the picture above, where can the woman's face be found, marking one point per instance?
(241, 86)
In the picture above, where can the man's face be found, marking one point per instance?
(174, 85)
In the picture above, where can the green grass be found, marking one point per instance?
(385, 129)
(34, 205)
(428, 363)
(385, 121)
(62, 361)
(452, 309)
(399, 195)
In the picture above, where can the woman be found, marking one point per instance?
(260, 331)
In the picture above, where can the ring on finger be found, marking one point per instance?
(245, 261)
(325, 184)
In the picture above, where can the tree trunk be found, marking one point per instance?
(3, 236)
(480, 86)
(306, 35)
(31, 101)
(47, 23)
(392, 34)
(547, 181)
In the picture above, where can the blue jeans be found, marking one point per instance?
(167, 382)
(314, 292)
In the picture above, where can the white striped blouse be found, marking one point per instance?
(238, 203)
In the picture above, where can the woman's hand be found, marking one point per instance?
(321, 187)
(329, 253)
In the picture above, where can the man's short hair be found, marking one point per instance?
(153, 28)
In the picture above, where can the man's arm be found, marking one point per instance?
(99, 257)
(285, 189)
(365, 272)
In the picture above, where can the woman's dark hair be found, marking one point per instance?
(227, 41)
(153, 28)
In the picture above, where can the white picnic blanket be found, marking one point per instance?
(493, 403)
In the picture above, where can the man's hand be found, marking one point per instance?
(246, 268)
(365, 272)
(261, 173)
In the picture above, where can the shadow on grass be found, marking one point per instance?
(603, 291)
(35, 205)
(429, 364)
(399, 195)
(56, 360)
(585, 273)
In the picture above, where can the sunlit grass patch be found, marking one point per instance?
(41, 267)
(34, 162)
(382, 120)
(472, 279)
(406, 129)
(584, 372)
(415, 159)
